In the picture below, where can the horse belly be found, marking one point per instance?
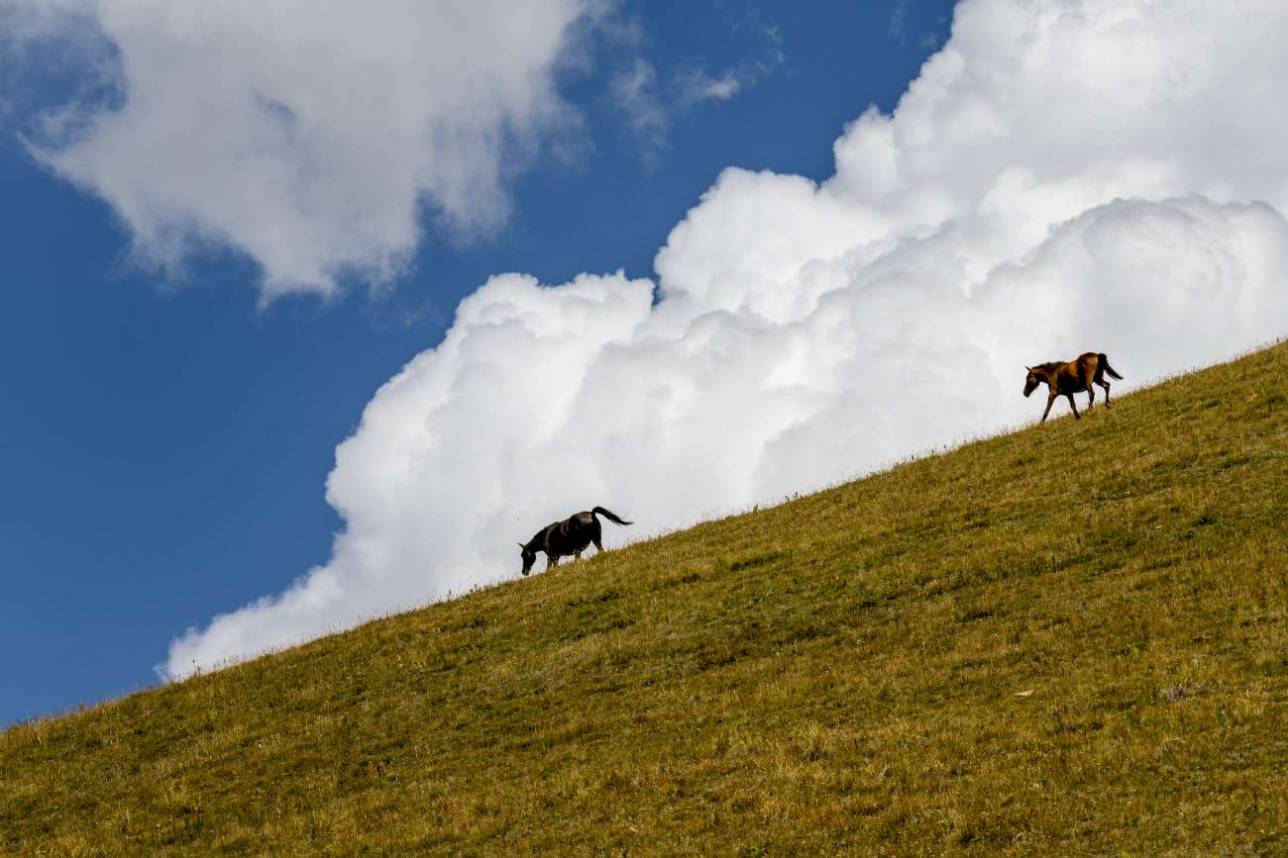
(571, 543)
(1072, 384)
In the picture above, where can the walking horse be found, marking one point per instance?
(1070, 377)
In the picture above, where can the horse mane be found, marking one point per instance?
(538, 540)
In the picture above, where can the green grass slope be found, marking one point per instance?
(1072, 639)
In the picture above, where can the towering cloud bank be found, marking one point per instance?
(1063, 176)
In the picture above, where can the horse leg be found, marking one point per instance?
(576, 557)
(598, 545)
(1091, 397)
(1074, 406)
(1105, 385)
(1050, 401)
(552, 560)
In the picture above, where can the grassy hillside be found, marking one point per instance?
(1073, 639)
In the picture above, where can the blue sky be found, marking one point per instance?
(166, 440)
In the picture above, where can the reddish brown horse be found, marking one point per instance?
(570, 536)
(1066, 379)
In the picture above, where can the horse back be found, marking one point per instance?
(572, 534)
(1073, 377)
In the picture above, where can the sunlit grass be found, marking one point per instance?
(1067, 640)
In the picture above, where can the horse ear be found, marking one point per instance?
(521, 545)
(1029, 368)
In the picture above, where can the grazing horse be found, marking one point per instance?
(570, 536)
(1066, 379)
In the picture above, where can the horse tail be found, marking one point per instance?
(1104, 361)
(608, 514)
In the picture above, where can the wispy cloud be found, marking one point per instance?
(652, 107)
(635, 91)
(898, 13)
(696, 84)
(700, 85)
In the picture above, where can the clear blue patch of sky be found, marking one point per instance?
(163, 447)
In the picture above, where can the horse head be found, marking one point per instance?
(1032, 381)
(529, 557)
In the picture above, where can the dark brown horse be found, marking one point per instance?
(570, 536)
(1066, 379)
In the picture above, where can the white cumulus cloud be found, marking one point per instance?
(309, 134)
(1064, 175)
